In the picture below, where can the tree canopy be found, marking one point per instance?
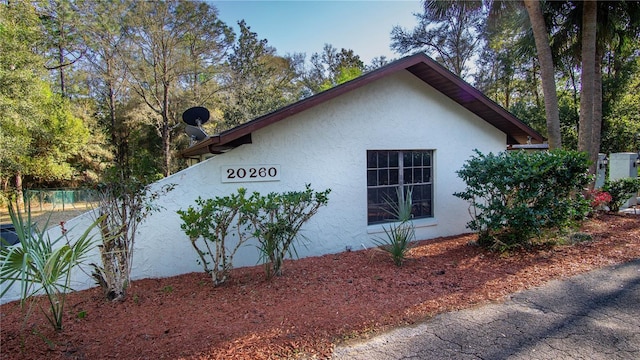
(87, 84)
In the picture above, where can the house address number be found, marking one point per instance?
(249, 173)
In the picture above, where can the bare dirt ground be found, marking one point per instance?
(317, 303)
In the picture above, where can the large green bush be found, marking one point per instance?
(515, 196)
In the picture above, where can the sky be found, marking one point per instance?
(306, 26)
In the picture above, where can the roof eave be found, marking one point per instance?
(517, 131)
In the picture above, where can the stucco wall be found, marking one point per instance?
(326, 147)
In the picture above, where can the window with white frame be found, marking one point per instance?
(393, 171)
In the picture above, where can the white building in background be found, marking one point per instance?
(411, 122)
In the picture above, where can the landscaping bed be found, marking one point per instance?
(316, 302)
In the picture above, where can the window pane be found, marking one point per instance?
(408, 179)
(383, 159)
(393, 177)
(417, 175)
(421, 201)
(393, 159)
(407, 159)
(417, 158)
(372, 178)
(426, 160)
(372, 159)
(383, 177)
(379, 208)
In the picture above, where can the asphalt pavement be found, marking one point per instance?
(590, 316)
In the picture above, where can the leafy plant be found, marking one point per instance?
(399, 237)
(274, 220)
(124, 201)
(43, 265)
(620, 191)
(598, 200)
(213, 221)
(277, 219)
(514, 196)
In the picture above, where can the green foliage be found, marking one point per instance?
(621, 125)
(214, 220)
(399, 237)
(447, 30)
(331, 68)
(38, 131)
(261, 81)
(514, 196)
(124, 201)
(41, 264)
(621, 190)
(277, 219)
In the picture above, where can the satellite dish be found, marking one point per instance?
(195, 133)
(196, 116)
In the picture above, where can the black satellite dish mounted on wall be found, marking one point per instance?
(195, 117)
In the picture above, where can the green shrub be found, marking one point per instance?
(621, 190)
(399, 236)
(274, 220)
(213, 221)
(124, 202)
(514, 196)
(277, 219)
(42, 265)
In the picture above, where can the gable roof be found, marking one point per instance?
(421, 66)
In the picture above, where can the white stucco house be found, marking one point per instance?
(410, 123)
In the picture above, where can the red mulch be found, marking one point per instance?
(317, 302)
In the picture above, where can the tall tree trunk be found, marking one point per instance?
(541, 36)
(19, 192)
(166, 132)
(587, 81)
(63, 90)
(596, 131)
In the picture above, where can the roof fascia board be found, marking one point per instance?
(406, 63)
(478, 95)
(314, 100)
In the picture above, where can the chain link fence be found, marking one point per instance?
(59, 199)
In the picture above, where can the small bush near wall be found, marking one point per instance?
(621, 190)
(214, 220)
(277, 219)
(515, 196)
(123, 203)
(274, 220)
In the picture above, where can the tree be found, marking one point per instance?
(160, 35)
(621, 128)
(39, 133)
(332, 67)
(547, 71)
(601, 40)
(505, 65)
(259, 81)
(446, 30)
(63, 39)
(589, 132)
